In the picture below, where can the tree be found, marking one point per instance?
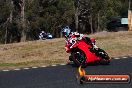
(24, 19)
(5, 19)
(92, 15)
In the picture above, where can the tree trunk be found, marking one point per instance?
(9, 21)
(76, 19)
(23, 36)
(98, 26)
(6, 35)
(91, 23)
(76, 15)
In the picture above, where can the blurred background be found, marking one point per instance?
(24, 20)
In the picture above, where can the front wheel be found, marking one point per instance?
(79, 58)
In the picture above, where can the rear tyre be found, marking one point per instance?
(105, 57)
(104, 62)
(79, 58)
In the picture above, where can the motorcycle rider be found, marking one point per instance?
(75, 47)
(42, 35)
(71, 37)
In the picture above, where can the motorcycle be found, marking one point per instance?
(82, 52)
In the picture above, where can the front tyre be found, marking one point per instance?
(79, 58)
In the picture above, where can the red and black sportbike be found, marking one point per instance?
(83, 52)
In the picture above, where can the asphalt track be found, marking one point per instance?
(64, 76)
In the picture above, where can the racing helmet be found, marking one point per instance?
(66, 31)
(42, 31)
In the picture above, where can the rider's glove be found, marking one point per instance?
(95, 47)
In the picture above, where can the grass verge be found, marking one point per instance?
(48, 52)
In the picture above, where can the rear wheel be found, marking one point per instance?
(105, 57)
(79, 58)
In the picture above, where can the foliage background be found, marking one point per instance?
(51, 15)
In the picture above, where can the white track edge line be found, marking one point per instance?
(63, 64)
(124, 57)
(43, 66)
(26, 68)
(54, 65)
(5, 70)
(34, 67)
(117, 58)
(17, 69)
(50, 65)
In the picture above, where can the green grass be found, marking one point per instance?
(8, 64)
